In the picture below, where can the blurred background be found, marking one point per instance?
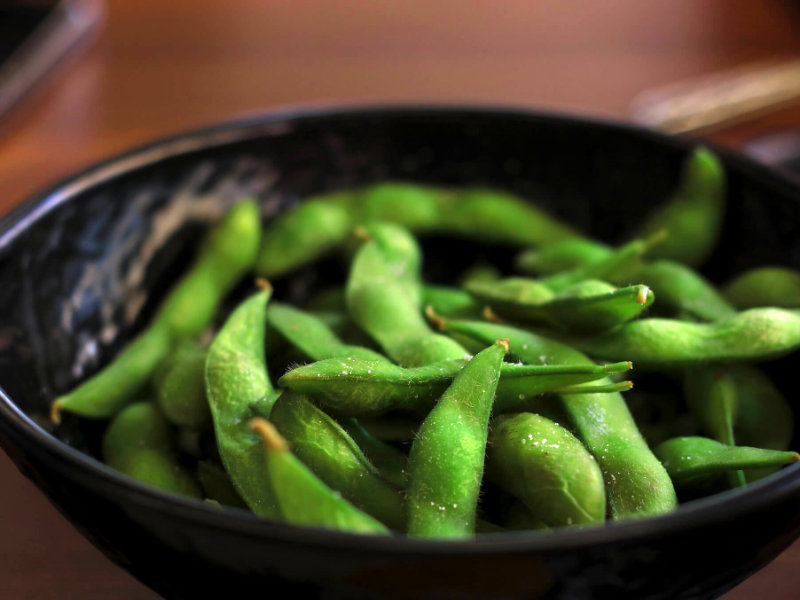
(109, 76)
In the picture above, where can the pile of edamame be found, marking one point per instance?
(394, 405)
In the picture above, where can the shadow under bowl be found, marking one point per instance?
(84, 264)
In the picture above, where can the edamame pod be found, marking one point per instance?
(391, 463)
(481, 271)
(160, 470)
(139, 425)
(521, 290)
(765, 286)
(180, 386)
(588, 306)
(358, 388)
(620, 264)
(138, 442)
(711, 396)
(320, 224)
(302, 498)
(756, 334)
(447, 456)
(547, 468)
(678, 286)
(312, 336)
(238, 388)
(684, 290)
(308, 231)
(226, 254)
(764, 415)
(693, 216)
(384, 295)
(764, 418)
(690, 458)
(413, 206)
(562, 256)
(495, 215)
(332, 455)
(217, 485)
(451, 302)
(104, 394)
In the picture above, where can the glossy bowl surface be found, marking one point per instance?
(83, 264)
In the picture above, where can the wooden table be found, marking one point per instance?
(159, 67)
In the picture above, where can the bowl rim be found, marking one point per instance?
(706, 511)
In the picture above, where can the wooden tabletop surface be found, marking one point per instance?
(159, 67)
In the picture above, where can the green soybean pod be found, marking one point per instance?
(217, 485)
(312, 336)
(356, 387)
(620, 264)
(104, 394)
(226, 254)
(688, 459)
(511, 290)
(238, 388)
(764, 417)
(138, 442)
(756, 334)
(499, 216)
(391, 463)
(678, 286)
(410, 205)
(480, 271)
(693, 216)
(585, 307)
(562, 256)
(180, 386)
(636, 483)
(764, 286)
(711, 396)
(307, 231)
(712, 399)
(451, 302)
(384, 295)
(547, 468)
(302, 498)
(684, 290)
(322, 223)
(447, 456)
(160, 470)
(139, 425)
(325, 447)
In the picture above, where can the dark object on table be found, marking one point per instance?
(84, 264)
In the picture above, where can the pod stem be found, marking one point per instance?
(263, 284)
(55, 412)
(361, 234)
(269, 435)
(434, 319)
(491, 316)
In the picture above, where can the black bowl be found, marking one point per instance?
(84, 263)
